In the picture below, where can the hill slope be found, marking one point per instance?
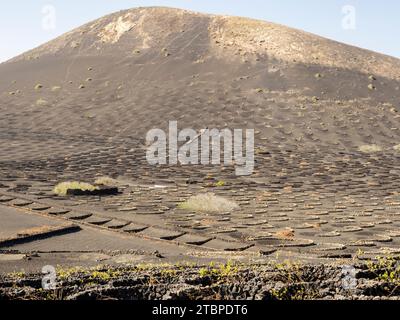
(134, 70)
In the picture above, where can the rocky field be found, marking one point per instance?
(374, 280)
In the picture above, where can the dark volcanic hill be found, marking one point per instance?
(104, 85)
(134, 70)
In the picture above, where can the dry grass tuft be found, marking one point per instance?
(41, 102)
(285, 234)
(106, 181)
(370, 148)
(209, 202)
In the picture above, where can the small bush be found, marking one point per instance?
(208, 202)
(106, 181)
(370, 148)
(41, 103)
(62, 188)
(386, 269)
(220, 272)
(315, 99)
(220, 183)
(285, 233)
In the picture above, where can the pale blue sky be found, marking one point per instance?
(377, 22)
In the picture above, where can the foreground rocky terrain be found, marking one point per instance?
(326, 181)
(283, 281)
